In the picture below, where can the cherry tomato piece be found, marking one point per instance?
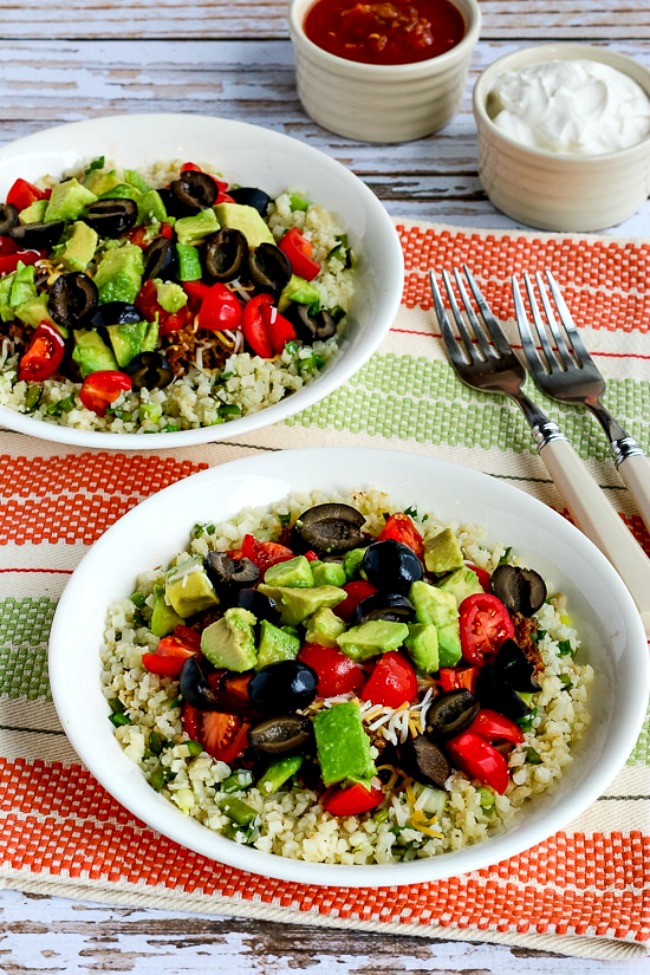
(478, 759)
(224, 735)
(191, 720)
(264, 554)
(299, 251)
(165, 666)
(172, 652)
(43, 355)
(22, 194)
(254, 328)
(351, 800)
(220, 309)
(393, 681)
(400, 528)
(356, 590)
(9, 262)
(495, 727)
(484, 624)
(100, 389)
(453, 678)
(482, 574)
(278, 328)
(337, 674)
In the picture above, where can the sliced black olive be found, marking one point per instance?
(225, 254)
(391, 566)
(426, 761)
(329, 528)
(310, 328)
(195, 687)
(8, 217)
(250, 196)
(269, 267)
(493, 691)
(111, 217)
(383, 606)
(513, 664)
(522, 590)
(194, 190)
(451, 712)
(115, 313)
(283, 735)
(159, 258)
(38, 236)
(150, 370)
(260, 605)
(226, 571)
(282, 687)
(73, 299)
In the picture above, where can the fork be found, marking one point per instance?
(484, 360)
(570, 375)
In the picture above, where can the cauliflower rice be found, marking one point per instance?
(418, 821)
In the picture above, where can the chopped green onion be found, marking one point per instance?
(533, 756)
(564, 648)
(241, 778)
(240, 812)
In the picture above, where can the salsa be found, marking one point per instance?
(384, 32)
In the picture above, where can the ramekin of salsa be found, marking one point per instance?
(386, 71)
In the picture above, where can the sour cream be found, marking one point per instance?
(577, 107)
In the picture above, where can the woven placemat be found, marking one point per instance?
(582, 892)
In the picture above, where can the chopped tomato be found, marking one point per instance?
(351, 800)
(495, 727)
(299, 251)
(147, 303)
(478, 759)
(220, 309)
(172, 652)
(165, 666)
(223, 735)
(266, 331)
(400, 528)
(100, 389)
(356, 590)
(196, 291)
(483, 576)
(43, 355)
(393, 681)
(484, 624)
(9, 262)
(452, 678)
(278, 328)
(191, 721)
(142, 236)
(264, 554)
(7, 245)
(337, 674)
(22, 194)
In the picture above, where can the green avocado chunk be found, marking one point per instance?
(372, 638)
(434, 605)
(91, 353)
(324, 628)
(164, 619)
(296, 604)
(79, 249)
(461, 583)
(68, 201)
(294, 573)
(188, 589)
(442, 553)
(132, 338)
(422, 647)
(230, 641)
(329, 573)
(34, 311)
(194, 229)
(275, 644)
(119, 274)
(342, 745)
(247, 219)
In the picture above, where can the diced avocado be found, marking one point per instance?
(434, 605)
(230, 641)
(119, 274)
(329, 573)
(170, 295)
(275, 644)
(131, 339)
(151, 208)
(296, 604)
(279, 773)
(324, 628)
(22, 284)
(7, 313)
(34, 213)
(68, 201)
(91, 353)
(79, 249)
(99, 181)
(449, 648)
(372, 638)
(188, 589)
(342, 745)
(194, 229)
(442, 552)
(300, 291)
(133, 177)
(461, 583)
(294, 573)
(189, 263)
(422, 646)
(352, 561)
(164, 619)
(121, 191)
(34, 311)
(247, 219)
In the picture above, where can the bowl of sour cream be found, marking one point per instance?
(564, 136)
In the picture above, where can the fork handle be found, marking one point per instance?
(596, 517)
(635, 471)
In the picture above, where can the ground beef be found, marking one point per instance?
(181, 349)
(525, 630)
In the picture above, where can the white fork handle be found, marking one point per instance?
(596, 517)
(635, 471)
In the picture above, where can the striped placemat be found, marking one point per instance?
(582, 892)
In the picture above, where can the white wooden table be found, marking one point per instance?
(65, 62)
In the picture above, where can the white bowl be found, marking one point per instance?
(381, 103)
(553, 191)
(249, 155)
(158, 528)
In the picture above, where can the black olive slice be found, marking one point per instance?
(391, 566)
(226, 571)
(194, 685)
(283, 735)
(269, 267)
(194, 190)
(283, 686)
(115, 313)
(259, 604)
(111, 217)
(251, 196)
(451, 712)
(311, 328)
(513, 664)
(522, 590)
(426, 761)
(383, 606)
(225, 254)
(72, 300)
(329, 528)
(37, 236)
(159, 258)
(494, 691)
(8, 217)
(150, 370)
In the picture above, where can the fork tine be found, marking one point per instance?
(452, 344)
(560, 342)
(469, 311)
(539, 326)
(527, 340)
(491, 324)
(572, 332)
